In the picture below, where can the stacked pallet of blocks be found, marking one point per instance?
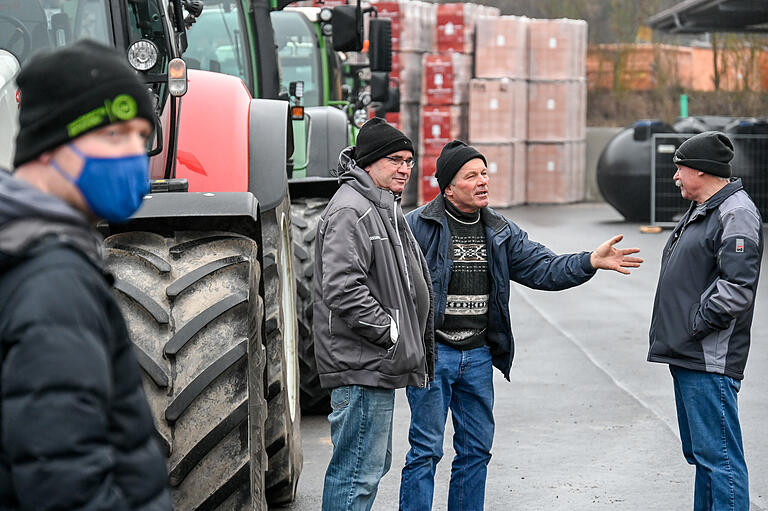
(528, 108)
(498, 99)
(445, 87)
(413, 26)
(556, 111)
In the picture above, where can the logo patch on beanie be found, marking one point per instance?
(122, 108)
(739, 244)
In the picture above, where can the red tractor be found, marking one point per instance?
(204, 270)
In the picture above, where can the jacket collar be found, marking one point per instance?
(732, 187)
(435, 211)
(714, 202)
(28, 216)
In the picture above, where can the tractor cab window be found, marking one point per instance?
(335, 72)
(299, 55)
(217, 40)
(30, 25)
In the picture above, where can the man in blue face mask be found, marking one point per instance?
(76, 431)
(83, 131)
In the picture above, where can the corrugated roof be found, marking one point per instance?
(696, 16)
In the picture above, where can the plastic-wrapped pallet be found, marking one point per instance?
(501, 47)
(506, 172)
(413, 24)
(407, 121)
(455, 30)
(498, 110)
(555, 172)
(428, 188)
(556, 110)
(406, 68)
(557, 49)
(440, 125)
(446, 78)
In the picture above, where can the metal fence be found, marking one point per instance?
(750, 163)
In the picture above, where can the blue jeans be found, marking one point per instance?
(464, 384)
(361, 431)
(708, 417)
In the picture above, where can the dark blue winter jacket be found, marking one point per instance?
(705, 298)
(76, 431)
(511, 256)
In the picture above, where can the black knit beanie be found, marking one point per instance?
(70, 91)
(378, 139)
(709, 152)
(453, 156)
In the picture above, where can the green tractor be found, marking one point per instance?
(204, 270)
(335, 100)
(326, 114)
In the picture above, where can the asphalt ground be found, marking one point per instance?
(586, 422)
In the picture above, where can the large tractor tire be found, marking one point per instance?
(283, 423)
(306, 215)
(194, 312)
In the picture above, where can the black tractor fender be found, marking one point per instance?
(313, 187)
(269, 139)
(237, 212)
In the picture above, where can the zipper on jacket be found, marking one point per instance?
(402, 249)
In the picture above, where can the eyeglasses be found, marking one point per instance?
(397, 161)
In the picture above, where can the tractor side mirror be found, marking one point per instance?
(392, 104)
(379, 86)
(347, 28)
(380, 47)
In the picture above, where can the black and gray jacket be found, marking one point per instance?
(366, 328)
(705, 297)
(75, 428)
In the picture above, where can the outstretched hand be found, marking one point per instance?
(608, 257)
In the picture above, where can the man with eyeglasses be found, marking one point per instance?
(473, 252)
(372, 311)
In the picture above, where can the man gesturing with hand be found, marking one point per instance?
(473, 253)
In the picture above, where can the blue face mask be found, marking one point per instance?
(112, 187)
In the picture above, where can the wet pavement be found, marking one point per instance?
(586, 422)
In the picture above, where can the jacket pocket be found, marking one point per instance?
(345, 346)
(692, 318)
(394, 331)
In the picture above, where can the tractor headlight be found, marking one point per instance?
(326, 14)
(360, 117)
(142, 55)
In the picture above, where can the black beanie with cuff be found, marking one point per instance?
(453, 156)
(70, 91)
(709, 152)
(377, 139)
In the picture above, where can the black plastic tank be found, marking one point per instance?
(701, 123)
(624, 169)
(750, 148)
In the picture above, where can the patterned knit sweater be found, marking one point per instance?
(466, 309)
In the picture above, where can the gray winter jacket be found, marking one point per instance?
(705, 297)
(366, 328)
